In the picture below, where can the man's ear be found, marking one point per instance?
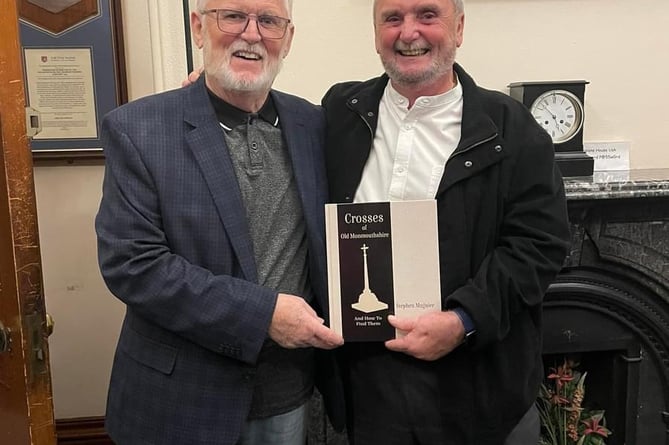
(289, 36)
(460, 30)
(196, 29)
(377, 39)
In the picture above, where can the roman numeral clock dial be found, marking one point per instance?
(560, 113)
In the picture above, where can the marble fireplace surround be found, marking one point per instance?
(609, 307)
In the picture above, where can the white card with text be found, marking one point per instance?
(609, 155)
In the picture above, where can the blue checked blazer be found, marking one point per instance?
(174, 246)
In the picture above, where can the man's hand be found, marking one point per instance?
(428, 337)
(296, 325)
(193, 76)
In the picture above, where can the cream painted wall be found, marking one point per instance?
(618, 45)
(87, 318)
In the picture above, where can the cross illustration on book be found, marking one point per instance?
(367, 301)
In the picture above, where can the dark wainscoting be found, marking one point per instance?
(82, 431)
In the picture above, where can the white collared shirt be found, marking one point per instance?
(411, 146)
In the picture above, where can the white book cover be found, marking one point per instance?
(383, 258)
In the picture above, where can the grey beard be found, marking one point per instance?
(243, 85)
(436, 70)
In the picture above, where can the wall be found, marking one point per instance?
(617, 45)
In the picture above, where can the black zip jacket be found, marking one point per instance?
(503, 236)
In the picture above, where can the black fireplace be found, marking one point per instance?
(608, 310)
(618, 335)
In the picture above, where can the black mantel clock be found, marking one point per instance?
(558, 106)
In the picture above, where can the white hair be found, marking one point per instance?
(459, 5)
(289, 6)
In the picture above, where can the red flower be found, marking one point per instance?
(592, 426)
(557, 399)
(561, 375)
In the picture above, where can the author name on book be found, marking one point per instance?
(424, 306)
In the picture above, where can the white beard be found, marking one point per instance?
(219, 69)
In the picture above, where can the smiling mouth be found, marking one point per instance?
(413, 52)
(246, 55)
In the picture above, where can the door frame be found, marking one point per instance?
(26, 402)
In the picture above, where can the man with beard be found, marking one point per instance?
(210, 231)
(468, 374)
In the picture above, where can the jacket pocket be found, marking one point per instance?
(149, 352)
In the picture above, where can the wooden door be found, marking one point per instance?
(26, 409)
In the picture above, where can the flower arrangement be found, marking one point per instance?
(564, 421)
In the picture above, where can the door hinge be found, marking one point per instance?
(35, 324)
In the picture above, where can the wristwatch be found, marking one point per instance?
(467, 322)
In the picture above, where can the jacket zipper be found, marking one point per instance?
(474, 145)
(369, 127)
(464, 150)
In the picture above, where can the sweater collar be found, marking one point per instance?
(230, 116)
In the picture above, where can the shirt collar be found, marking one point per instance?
(439, 100)
(230, 116)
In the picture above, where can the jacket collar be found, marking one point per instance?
(476, 124)
(230, 116)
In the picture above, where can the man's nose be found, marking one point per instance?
(251, 32)
(410, 29)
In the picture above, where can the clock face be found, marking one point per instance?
(560, 113)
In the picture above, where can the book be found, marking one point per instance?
(382, 258)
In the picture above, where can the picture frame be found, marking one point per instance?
(186, 4)
(74, 72)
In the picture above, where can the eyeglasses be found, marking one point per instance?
(236, 22)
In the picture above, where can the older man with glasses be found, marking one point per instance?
(210, 231)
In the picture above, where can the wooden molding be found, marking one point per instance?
(82, 431)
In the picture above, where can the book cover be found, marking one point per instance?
(383, 258)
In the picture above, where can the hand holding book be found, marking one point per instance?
(296, 325)
(429, 336)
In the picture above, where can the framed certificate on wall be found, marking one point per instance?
(74, 73)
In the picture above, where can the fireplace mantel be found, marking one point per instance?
(619, 185)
